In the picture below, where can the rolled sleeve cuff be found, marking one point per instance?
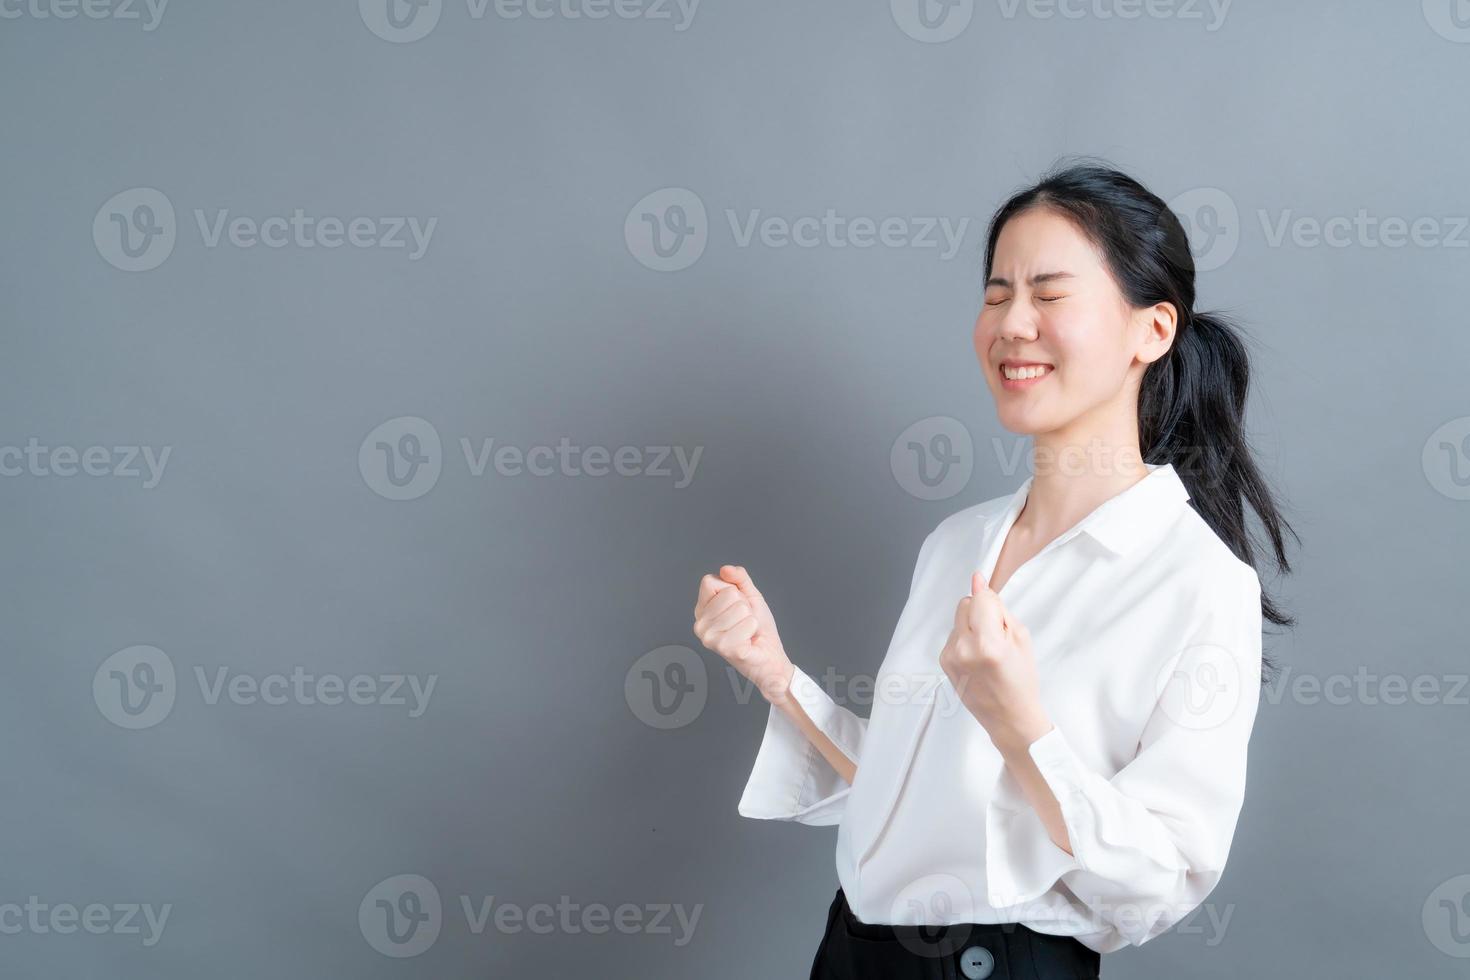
(1059, 765)
(790, 780)
(1022, 861)
(1107, 837)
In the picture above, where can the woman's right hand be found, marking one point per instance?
(732, 619)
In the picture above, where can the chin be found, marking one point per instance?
(1023, 423)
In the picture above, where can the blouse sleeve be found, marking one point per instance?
(791, 780)
(1150, 843)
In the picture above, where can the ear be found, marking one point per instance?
(1159, 324)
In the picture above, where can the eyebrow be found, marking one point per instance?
(1035, 280)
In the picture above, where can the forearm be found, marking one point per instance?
(789, 706)
(1017, 755)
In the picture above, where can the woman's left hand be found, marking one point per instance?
(988, 660)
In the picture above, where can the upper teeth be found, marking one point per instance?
(1022, 373)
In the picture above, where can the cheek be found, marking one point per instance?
(1078, 335)
(983, 335)
(1088, 357)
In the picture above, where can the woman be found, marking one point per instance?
(1055, 757)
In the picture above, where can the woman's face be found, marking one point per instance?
(1052, 310)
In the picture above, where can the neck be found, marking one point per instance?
(1075, 473)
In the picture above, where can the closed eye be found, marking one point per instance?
(1044, 299)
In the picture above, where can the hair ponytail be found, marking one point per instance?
(1191, 412)
(1191, 407)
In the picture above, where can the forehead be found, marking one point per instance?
(1042, 237)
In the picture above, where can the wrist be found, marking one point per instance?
(1017, 738)
(779, 694)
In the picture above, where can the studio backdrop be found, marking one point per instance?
(379, 378)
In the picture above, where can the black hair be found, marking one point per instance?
(1191, 404)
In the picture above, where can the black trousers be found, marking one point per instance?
(854, 950)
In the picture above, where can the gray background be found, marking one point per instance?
(530, 319)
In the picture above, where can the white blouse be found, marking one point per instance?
(1147, 635)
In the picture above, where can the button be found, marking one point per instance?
(977, 963)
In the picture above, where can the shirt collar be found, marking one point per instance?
(1122, 520)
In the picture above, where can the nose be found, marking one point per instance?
(1017, 325)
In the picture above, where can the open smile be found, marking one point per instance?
(1018, 375)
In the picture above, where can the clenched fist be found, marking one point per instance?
(732, 619)
(988, 659)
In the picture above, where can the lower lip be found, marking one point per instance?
(1022, 385)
